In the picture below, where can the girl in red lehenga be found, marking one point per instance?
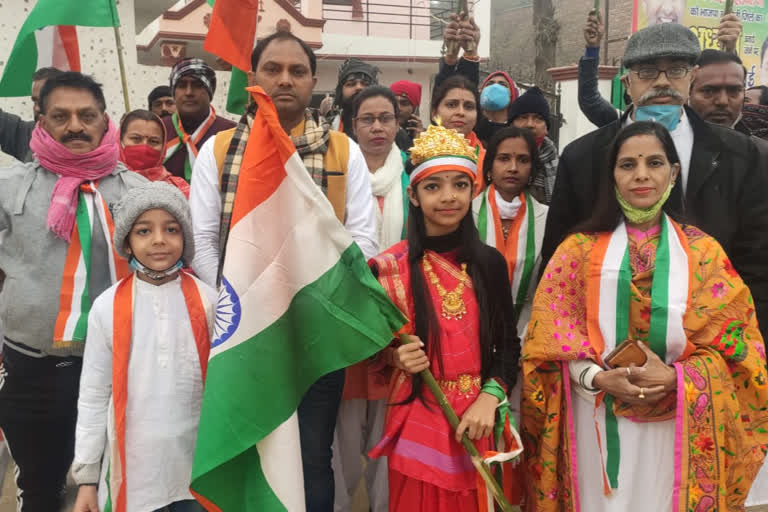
(455, 291)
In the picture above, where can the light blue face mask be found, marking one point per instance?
(666, 115)
(154, 274)
(494, 97)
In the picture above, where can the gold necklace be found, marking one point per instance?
(453, 302)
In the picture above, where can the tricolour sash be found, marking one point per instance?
(190, 141)
(195, 299)
(74, 298)
(508, 447)
(519, 249)
(608, 303)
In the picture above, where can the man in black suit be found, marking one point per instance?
(723, 183)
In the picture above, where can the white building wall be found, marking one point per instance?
(576, 123)
(98, 57)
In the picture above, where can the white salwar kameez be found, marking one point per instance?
(646, 467)
(647, 449)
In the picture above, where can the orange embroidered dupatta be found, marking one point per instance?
(721, 403)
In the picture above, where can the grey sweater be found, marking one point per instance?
(32, 258)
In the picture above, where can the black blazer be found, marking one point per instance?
(727, 196)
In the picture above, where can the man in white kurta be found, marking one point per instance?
(285, 66)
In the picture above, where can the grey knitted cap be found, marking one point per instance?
(664, 40)
(156, 194)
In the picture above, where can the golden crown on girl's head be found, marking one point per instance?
(438, 140)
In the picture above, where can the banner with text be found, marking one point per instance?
(703, 18)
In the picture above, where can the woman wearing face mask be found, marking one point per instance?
(142, 147)
(497, 93)
(643, 351)
(454, 105)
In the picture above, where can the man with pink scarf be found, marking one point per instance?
(57, 257)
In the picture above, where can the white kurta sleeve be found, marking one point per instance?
(361, 218)
(93, 402)
(205, 203)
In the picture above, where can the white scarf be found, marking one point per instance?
(386, 182)
(507, 210)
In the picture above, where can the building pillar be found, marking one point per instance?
(575, 123)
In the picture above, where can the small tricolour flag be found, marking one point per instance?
(297, 301)
(48, 38)
(232, 36)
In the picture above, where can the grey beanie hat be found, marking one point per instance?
(156, 194)
(664, 40)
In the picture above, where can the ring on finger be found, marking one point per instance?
(629, 372)
(642, 394)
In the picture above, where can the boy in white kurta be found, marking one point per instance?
(144, 365)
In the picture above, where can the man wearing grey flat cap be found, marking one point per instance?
(723, 184)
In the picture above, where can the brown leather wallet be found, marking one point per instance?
(625, 354)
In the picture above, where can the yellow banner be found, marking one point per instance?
(703, 18)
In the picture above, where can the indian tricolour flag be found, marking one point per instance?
(232, 36)
(296, 302)
(48, 38)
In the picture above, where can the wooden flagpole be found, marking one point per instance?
(119, 44)
(453, 420)
(122, 69)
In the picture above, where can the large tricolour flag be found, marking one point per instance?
(296, 302)
(48, 38)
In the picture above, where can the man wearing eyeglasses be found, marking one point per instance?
(285, 67)
(723, 181)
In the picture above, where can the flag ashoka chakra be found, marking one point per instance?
(227, 314)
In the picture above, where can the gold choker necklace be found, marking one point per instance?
(453, 302)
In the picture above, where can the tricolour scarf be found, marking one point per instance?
(74, 297)
(519, 249)
(73, 170)
(190, 141)
(312, 146)
(608, 303)
(387, 182)
(194, 297)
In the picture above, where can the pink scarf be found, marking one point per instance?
(73, 170)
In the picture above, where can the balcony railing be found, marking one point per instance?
(407, 19)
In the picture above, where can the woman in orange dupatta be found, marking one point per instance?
(142, 148)
(454, 105)
(684, 431)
